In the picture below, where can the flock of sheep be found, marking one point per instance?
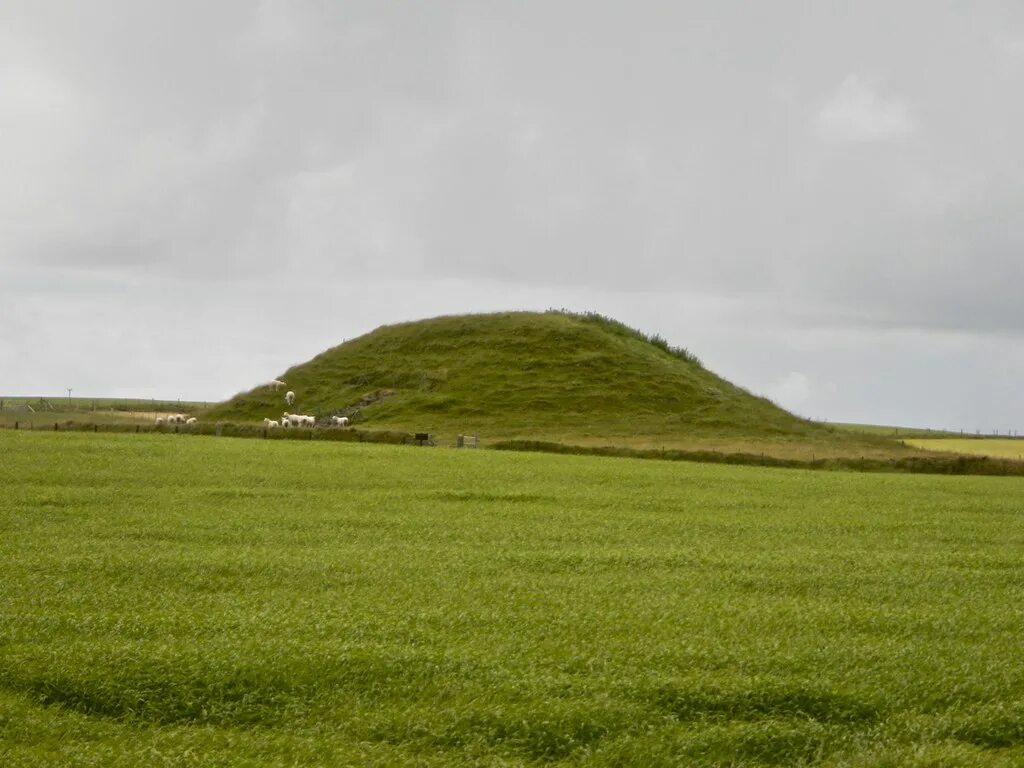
(176, 418)
(297, 419)
(287, 420)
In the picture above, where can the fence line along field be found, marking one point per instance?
(239, 602)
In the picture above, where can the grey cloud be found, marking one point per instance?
(791, 166)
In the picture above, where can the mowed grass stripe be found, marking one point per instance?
(263, 602)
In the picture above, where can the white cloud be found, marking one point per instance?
(856, 112)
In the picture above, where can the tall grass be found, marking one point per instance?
(247, 602)
(620, 328)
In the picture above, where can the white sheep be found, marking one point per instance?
(289, 397)
(159, 421)
(272, 424)
(339, 421)
(293, 419)
(191, 421)
(276, 384)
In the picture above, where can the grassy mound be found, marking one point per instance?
(555, 375)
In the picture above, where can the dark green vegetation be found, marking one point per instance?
(175, 601)
(556, 376)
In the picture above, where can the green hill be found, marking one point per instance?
(580, 379)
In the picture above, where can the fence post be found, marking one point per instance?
(55, 426)
(15, 425)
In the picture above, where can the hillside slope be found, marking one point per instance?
(552, 375)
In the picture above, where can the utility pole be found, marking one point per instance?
(69, 397)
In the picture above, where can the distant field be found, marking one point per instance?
(168, 600)
(1003, 447)
(39, 412)
(900, 432)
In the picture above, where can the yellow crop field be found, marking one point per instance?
(1003, 447)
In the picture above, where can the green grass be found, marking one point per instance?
(897, 432)
(41, 412)
(167, 600)
(90, 404)
(1002, 447)
(556, 376)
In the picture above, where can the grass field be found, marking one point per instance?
(167, 600)
(880, 430)
(1003, 447)
(40, 412)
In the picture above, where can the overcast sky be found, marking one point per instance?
(823, 201)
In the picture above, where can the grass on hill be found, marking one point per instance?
(558, 376)
(166, 601)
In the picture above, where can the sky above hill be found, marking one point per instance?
(824, 203)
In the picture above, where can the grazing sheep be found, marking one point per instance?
(272, 424)
(159, 421)
(276, 384)
(293, 419)
(289, 397)
(339, 421)
(191, 421)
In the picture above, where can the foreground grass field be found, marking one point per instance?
(171, 600)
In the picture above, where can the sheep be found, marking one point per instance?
(339, 421)
(299, 420)
(191, 421)
(270, 424)
(159, 421)
(276, 384)
(289, 397)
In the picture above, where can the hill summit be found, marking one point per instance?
(580, 378)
